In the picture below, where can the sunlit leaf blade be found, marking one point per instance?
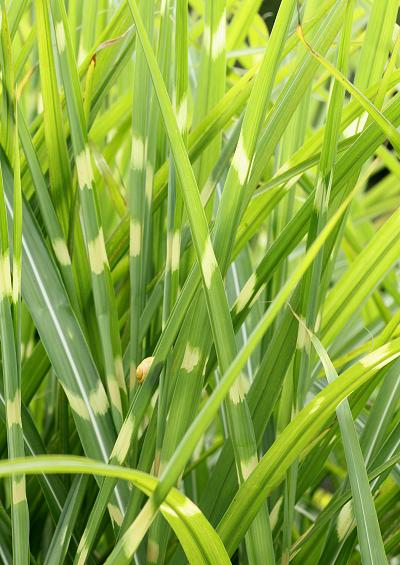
(200, 541)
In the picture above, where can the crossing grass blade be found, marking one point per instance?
(270, 470)
(200, 541)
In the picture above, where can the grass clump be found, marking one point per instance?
(199, 314)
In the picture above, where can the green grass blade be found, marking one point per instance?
(101, 280)
(371, 544)
(10, 306)
(60, 173)
(200, 541)
(375, 114)
(62, 536)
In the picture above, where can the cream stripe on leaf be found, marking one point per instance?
(113, 391)
(138, 157)
(60, 36)
(13, 410)
(239, 389)
(115, 514)
(61, 252)
(246, 294)
(135, 238)
(98, 400)
(208, 263)
(241, 161)
(77, 403)
(97, 253)
(191, 358)
(5, 276)
(84, 169)
(248, 466)
(119, 371)
(218, 38)
(175, 251)
(182, 114)
(123, 442)
(18, 490)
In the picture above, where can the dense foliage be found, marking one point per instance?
(199, 282)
